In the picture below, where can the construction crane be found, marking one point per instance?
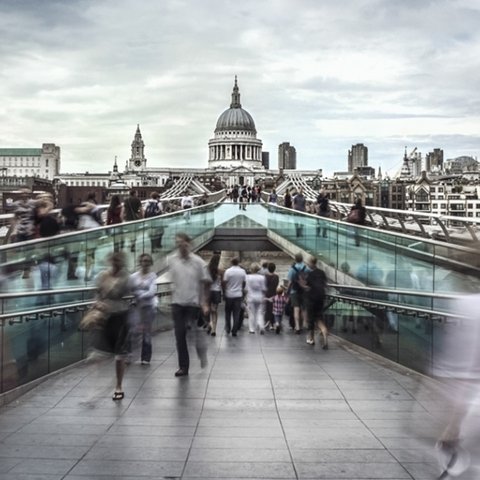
(410, 156)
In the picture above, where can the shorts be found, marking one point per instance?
(113, 337)
(215, 297)
(296, 300)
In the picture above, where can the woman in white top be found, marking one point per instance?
(144, 288)
(256, 287)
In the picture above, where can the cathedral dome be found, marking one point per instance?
(235, 118)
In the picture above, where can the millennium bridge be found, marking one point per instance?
(265, 406)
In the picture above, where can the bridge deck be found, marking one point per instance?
(265, 407)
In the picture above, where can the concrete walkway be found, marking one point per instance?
(265, 407)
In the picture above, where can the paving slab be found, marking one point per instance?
(266, 407)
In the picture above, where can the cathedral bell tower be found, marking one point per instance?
(137, 161)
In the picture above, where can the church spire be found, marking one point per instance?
(235, 96)
(137, 159)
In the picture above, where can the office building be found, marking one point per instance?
(287, 157)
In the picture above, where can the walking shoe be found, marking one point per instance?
(310, 341)
(453, 459)
(181, 372)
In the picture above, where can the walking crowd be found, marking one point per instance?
(35, 218)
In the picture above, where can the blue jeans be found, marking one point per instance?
(147, 314)
(278, 319)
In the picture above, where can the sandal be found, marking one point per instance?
(118, 396)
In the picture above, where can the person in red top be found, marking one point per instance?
(114, 212)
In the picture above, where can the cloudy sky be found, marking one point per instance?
(321, 74)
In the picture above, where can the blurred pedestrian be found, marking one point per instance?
(457, 363)
(315, 286)
(279, 302)
(234, 280)
(216, 275)
(357, 216)
(144, 288)
(132, 210)
(114, 217)
(190, 293)
(154, 208)
(296, 291)
(89, 217)
(256, 287)
(112, 287)
(272, 280)
(23, 227)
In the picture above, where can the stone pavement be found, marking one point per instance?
(265, 407)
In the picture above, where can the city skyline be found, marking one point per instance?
(322, 76)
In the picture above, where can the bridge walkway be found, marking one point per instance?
(265, 407)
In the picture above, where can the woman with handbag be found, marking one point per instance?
(110, 316)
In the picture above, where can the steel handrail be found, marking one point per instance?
(389, 306)
(65, 306)
(436, 296)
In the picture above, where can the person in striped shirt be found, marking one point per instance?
(279, 301)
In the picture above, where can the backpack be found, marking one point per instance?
(70, 217)
(273, 198)
(323, 204)
(152, 209)
(299, 275)
(96, 214)
(353, 216)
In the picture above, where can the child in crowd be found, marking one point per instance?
(279, 301)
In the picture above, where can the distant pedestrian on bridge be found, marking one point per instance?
(323, 210)
(114, 217)
(23, 227)
(273, 197)
(357, 216)
(287, 199)
(89, 217)
(299, 204)
(132, 210)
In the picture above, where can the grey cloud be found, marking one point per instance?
(169, 66)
